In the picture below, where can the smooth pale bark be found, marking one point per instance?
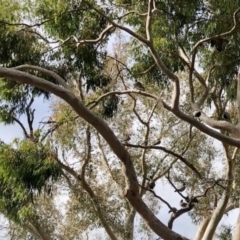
(202, 228)
(41, 232)
(36, 230)
(238, 97)
(236, 232)
(30, 228)
(216, 217)
(222, 205)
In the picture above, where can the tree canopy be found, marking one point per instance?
(142, 94)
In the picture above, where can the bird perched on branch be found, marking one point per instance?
(138, 86)
(219, 43)
(174, 210)
(151, 185)
(194, 200)
(181, 189)
(197, 114)
(157, 142)
(226, 116)
(183, 204)
(125, 140)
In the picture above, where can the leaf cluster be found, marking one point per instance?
(26, 169)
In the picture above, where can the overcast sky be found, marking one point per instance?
(9, 132)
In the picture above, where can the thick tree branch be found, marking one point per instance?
(30, 228)
(205, 129)
(131, 192)
(221, 125)
(149, 21)
(117, 147)
(22, 126)
(41, 231)
(238, 97)
(222, 204)
(87, 115)
(172, 76)
(52, 74)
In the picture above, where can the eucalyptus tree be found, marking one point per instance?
(109, 142)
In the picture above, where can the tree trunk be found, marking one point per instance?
(37, 231)
(236, 232)
(42, 232)
(202, 228)
(129, 225)
(216, 217)
(221, 207)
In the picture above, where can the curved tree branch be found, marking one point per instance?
(131, 191)
(44, 71)
(22, 126)
(101, 36)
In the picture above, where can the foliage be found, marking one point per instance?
(27, 168)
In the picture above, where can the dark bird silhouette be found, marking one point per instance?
(174, 210)
(157, 142)
(226, 116)
(138, 86)
(183, 204)
(152, 185)
(126, 139)
(219, 43)
(194, 200)
(181, 189)
(197, 114)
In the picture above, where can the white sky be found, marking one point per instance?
(9, 132)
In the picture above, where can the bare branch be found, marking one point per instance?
(30, 118)
(22, 126)
(235, 25)
(149, 21)
(200, 42)
(25, 24)
(41, 231)
(238, 97)
(132, 12)
(184, 58)
(45, 71)
(152, 191)
(34, 31)
(91, 105)
(101, 36)
(132, 33)
(180, 157)
(172, 76)
(130, 72)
